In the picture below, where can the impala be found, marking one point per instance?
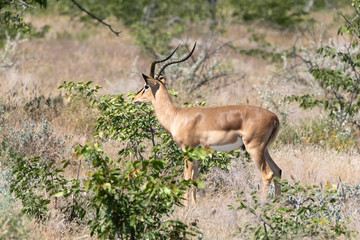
(222, 128)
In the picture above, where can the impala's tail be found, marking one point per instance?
(276, 170)
(275, 131)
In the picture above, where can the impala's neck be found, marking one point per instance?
(165, 110)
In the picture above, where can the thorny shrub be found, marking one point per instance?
(333, 69)
(317, 131)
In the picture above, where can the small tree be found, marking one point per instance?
(340, 80)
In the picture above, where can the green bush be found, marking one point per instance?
(283, 13)
(133, 194)
(130, 202)
(302, 211)
(127, 198)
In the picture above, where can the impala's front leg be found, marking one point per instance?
(190, 173)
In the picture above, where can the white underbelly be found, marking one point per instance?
(229, 147)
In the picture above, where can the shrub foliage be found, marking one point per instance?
(302, 211)
(128, 197)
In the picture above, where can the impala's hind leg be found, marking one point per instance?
(276, 170)
(257, 153)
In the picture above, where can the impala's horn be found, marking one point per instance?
(175, 61)
(152, 69)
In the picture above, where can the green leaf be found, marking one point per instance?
(200, 184)
(59, 194)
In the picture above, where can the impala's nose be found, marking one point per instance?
(134, 100)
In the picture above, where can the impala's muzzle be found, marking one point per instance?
(135, 97)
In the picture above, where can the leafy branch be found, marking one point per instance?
(19, 3)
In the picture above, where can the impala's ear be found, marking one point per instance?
(145, 78)
(162, 79)
(149, 80)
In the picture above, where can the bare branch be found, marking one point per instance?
(173, 20)
(150, 12)
(343, 16)
(340, 13)
(22, 4)
(96, 18)
(21, 13)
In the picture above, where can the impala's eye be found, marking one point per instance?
(146, 87)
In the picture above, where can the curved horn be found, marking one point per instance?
(175, 61)
(152, 69)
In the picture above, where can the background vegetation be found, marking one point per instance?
(78, 160)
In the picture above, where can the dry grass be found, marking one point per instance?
(310, 165)
(317, 165)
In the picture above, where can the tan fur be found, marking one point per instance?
(216, 126)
